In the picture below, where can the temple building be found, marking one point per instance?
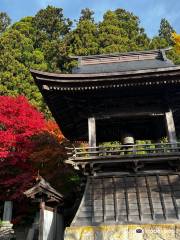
(124, 99)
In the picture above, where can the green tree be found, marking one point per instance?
(4, 21)
(120, 32)
(87, 14)
(174, 56)
(50, 28)
(166, 31)
(17, 56)
(83, 39)
(52, 23)
(158, 43)
(25, 45)
(56, 55)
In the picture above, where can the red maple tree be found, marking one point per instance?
(19, 121)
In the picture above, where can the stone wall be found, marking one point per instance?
(125, 232)
(6, 231)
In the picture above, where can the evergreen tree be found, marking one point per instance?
(52, 23)
(56, 55)
(87, 14)
(83, 39)
(4, 21)
(18, 55)
(166, 31)
(158, 43)
(24, 46)
(50, 29)
(120, 32)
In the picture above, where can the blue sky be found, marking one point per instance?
(150, 12)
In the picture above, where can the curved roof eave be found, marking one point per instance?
(68, 78)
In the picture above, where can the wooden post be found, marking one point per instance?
(170, 126)
(92, 131)
(41, 219)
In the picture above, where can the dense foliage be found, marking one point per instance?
(29, 145)
(19, 121)
(47, 40)
(120, 31)
(176, 39)
(48, 158)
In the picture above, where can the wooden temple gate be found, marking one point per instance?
(132, 189)
(48, 224)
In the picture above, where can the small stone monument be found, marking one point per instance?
(6, 231)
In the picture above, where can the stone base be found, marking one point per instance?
(6, 231)
(125, 232)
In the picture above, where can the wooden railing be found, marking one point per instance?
(125, 152)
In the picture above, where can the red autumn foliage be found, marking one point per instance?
(48, 157)
(19, 121)
(29, 145)
(53, 129)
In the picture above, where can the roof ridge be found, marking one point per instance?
(120, 53)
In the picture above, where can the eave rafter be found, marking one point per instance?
(85, 82)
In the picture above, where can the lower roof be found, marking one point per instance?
(130, 199)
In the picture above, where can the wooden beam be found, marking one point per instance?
(92, 131)
(129, 114)
(170, 126)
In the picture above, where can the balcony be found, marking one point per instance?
(122, 154)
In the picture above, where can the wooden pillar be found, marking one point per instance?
(7, 214)
(170, 126)
(92, 131)
(41, 219)
(32, 231)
